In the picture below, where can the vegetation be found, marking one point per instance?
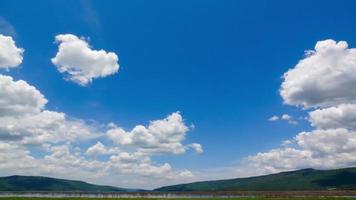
(257, 198)
(38, 183)
(306, 179)
(300, 180)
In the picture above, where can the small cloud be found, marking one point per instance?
(284, 117)
(112, 125)
(11, 56)
(196, 147)
(286, 143)
(273, 118)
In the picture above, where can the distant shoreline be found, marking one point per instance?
(174, 195)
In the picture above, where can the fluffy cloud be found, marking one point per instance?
(273, 118)
(10, 54)
(327, 76)
(322, 149)
(100, 149)
(121, 169)
(328, 142)
(197, 147)
(324, 80)
(161, 136)
(341, 116)
(44, 127)
(23, 117)
(26, 124)
(284, 117)
(19, 98)
(81, 63)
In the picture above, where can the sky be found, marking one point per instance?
(143, 94)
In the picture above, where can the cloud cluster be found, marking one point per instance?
(340, 116)
(115, 157)
(25, 124)
(23, 117)
(321, 149)
(19, 98)
(161, 136)
(323, 81)
(284, 117)
(326, 77)
(81, 63)
(10, 55)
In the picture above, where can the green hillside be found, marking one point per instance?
(306, 179)
(38, 183)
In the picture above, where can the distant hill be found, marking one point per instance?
(305, 179)
(38, 183)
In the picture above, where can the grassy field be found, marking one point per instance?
(255, 198)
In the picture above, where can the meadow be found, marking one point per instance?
(244, 198)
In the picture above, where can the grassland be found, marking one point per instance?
(299, 180)
(247, 198)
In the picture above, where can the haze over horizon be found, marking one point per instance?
(140, 94)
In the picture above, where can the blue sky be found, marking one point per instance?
(220, 63)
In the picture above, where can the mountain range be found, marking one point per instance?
(39, 183)
(305, 179)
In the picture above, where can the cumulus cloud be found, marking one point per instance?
(326, 77)
(26, 124)
(341, 116)
(100, 149)
(322, 149)
(44, 127)
(80, 62)
(23, 116)
(323, 81)
(10, 55)
(121, 169)
(19, 98)
(160, 136)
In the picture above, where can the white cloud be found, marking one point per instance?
(25, 125)
(23, 117)
(161, 136)
(100, 149)
(96, 149)
(197, 147)
(324, 80)
(341, 116)
(81, 63)
(19, 98)
(284, 117)
(10, 54)
(273, 118)
(322, 149)
(325, 77)
(44, 127)
(64, 161)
